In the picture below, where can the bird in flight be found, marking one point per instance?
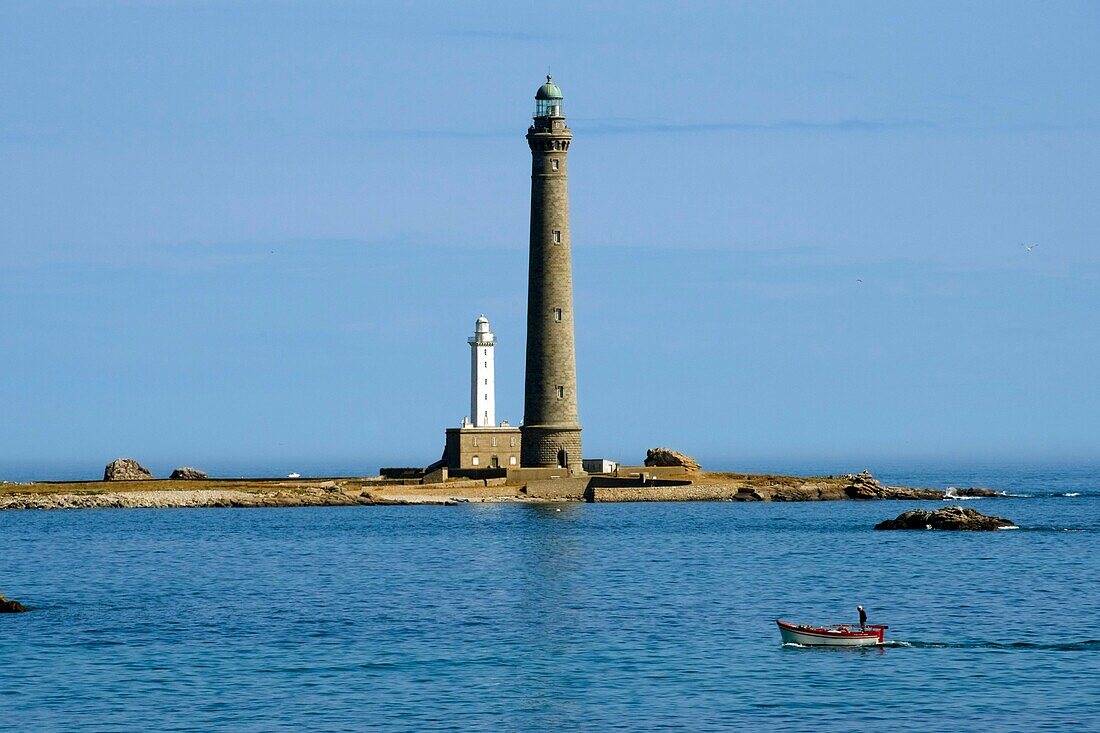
(1028, 247)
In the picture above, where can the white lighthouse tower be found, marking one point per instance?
(480, 443)
(483, 410)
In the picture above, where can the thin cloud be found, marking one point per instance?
(603, 126)
(612, 127)
(618, 126)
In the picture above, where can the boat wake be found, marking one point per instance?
(1077, 646)
(824, 648)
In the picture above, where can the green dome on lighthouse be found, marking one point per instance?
(549, 90)
(548, 100)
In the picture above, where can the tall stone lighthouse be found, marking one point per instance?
(551, 428)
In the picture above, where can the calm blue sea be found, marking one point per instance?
(569, 617)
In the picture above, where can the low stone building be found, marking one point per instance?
(489, 447)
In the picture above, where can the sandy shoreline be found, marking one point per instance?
(703, 486)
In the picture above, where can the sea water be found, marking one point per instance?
(555, 617)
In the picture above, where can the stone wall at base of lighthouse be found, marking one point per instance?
(542, 446)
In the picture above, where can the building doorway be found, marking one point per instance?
(494, 462)
(563, 459)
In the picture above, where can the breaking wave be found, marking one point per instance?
(952, 494)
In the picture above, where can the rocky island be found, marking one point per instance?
(131, 486)
(950, 518)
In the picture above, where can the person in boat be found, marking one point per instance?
(862, 616)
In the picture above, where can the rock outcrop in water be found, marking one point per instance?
(863, 486)
(951, 517)
(7, 606)
(126, 469)
(669, 457)
(186, 473)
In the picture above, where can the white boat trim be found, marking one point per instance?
(837, 635)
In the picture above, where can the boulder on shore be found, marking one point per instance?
(126, 469)
(7, 606)
(863, 486)
(186, 473)
(669, 457)
(951, 517)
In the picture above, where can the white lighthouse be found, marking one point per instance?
(483, 411)
(480, 444)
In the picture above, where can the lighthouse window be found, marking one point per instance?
(557, 236)
(557, 314)
(485, 352)
(486, 365)
(554, 163)
(486, 381)
(486, 396)
(561, 392)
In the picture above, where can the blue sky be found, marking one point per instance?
(259, 233)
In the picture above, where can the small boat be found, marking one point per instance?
(835, 635)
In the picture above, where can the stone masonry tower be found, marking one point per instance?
(551, 428)
(483, 400)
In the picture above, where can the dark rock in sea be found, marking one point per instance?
(186, 473)
(669, 457)
(126, 469)
(864, 486)
(951, 517)
(906, 494)
(7, 606)
(985, 493)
